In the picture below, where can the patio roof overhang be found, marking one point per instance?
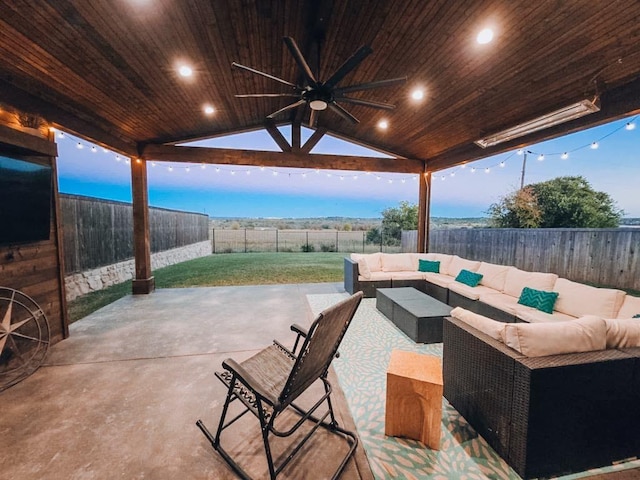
(108, 72)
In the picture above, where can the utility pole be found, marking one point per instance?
(524, 166)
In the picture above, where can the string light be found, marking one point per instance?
(630, 125)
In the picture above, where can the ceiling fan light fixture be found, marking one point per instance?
(562, 115)
(318, 105)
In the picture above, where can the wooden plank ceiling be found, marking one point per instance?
(106, 69)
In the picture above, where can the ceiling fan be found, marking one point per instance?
(322, 95)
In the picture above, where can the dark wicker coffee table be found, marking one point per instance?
(417, 314)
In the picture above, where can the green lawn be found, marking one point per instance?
(226, 269)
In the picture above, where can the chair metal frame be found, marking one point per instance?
(281, 376)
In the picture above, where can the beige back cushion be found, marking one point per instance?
(517, 279)
(578, 299)
(493, 276)
(484, 324)
(630, 307)
(443, 258)
(397, 262)
(458, 263)
(623, 332)
(585, 334)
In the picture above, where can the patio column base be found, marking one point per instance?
(144, 286)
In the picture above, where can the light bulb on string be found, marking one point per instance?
(79, 146)
(248, 172)
(520, 151)
(170, 168)
(203, 166)
(487, 170)
(630, 126)
(153, 164)
(541, 157)
(594, 145)
(564, 156)
(188, 169)
(502, 164)
(217, 169)
(94, 149)
(473, 169)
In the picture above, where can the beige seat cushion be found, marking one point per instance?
(585, 334)
(501, 301)
(577, 299)
(472, 293)
(484, 324)
(533, 315)
(378, 276)
(438, 279)
(407, 275)
(493, 276)
(623, 332)
(517, 279)
(630, 307)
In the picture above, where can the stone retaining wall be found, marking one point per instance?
(93, 280)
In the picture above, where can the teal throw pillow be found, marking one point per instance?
(538, 299)
(469, 278)
(429, 266)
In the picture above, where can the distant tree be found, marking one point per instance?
(396, 219)
(517, 209)
(564, 202)
(347, 227)
(374, 235)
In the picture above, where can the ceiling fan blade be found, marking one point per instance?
(366, 103)
(300, 60)
(253, 70)
(343, 113)
(269, 95)
(351, 63)
(369, 85)
(288, 107)
(313, 117)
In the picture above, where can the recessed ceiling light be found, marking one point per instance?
(185, 71)
(485, 36)
(417, 94)
(383, 124)
(209, 110)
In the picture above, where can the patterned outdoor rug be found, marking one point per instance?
(361, 369)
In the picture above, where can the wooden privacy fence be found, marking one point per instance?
(608, 257)
(100, 232)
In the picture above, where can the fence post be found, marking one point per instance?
(277, 240)
(337, 243)
(307, 241)
(213, 240)
(245, 240)
(363, 237)
(381, 238)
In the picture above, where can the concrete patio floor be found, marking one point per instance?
(120, 397)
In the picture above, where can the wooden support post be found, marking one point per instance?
(313, 140)
(277, 136)
(143, 282)
(424, 204)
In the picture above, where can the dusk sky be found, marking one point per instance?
(232, 191)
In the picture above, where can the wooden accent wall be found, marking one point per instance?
(36, 268)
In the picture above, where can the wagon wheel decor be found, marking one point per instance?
(24, 336)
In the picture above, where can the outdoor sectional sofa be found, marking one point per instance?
(546, 414)
(497, 294)
(552, 393)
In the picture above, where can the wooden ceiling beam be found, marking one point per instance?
(53, 114)
(313, 140)
(224, 156)
(616, 103)
(277, 137)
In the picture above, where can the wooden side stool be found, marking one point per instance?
(414, 397)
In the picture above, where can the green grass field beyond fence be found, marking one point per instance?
(226, 269)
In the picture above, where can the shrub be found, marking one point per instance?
(328, 247)
(307, 248)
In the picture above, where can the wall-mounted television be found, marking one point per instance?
(25, 200)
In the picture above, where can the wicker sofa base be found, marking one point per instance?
(545, 416)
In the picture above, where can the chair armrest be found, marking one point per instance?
(299, 330)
